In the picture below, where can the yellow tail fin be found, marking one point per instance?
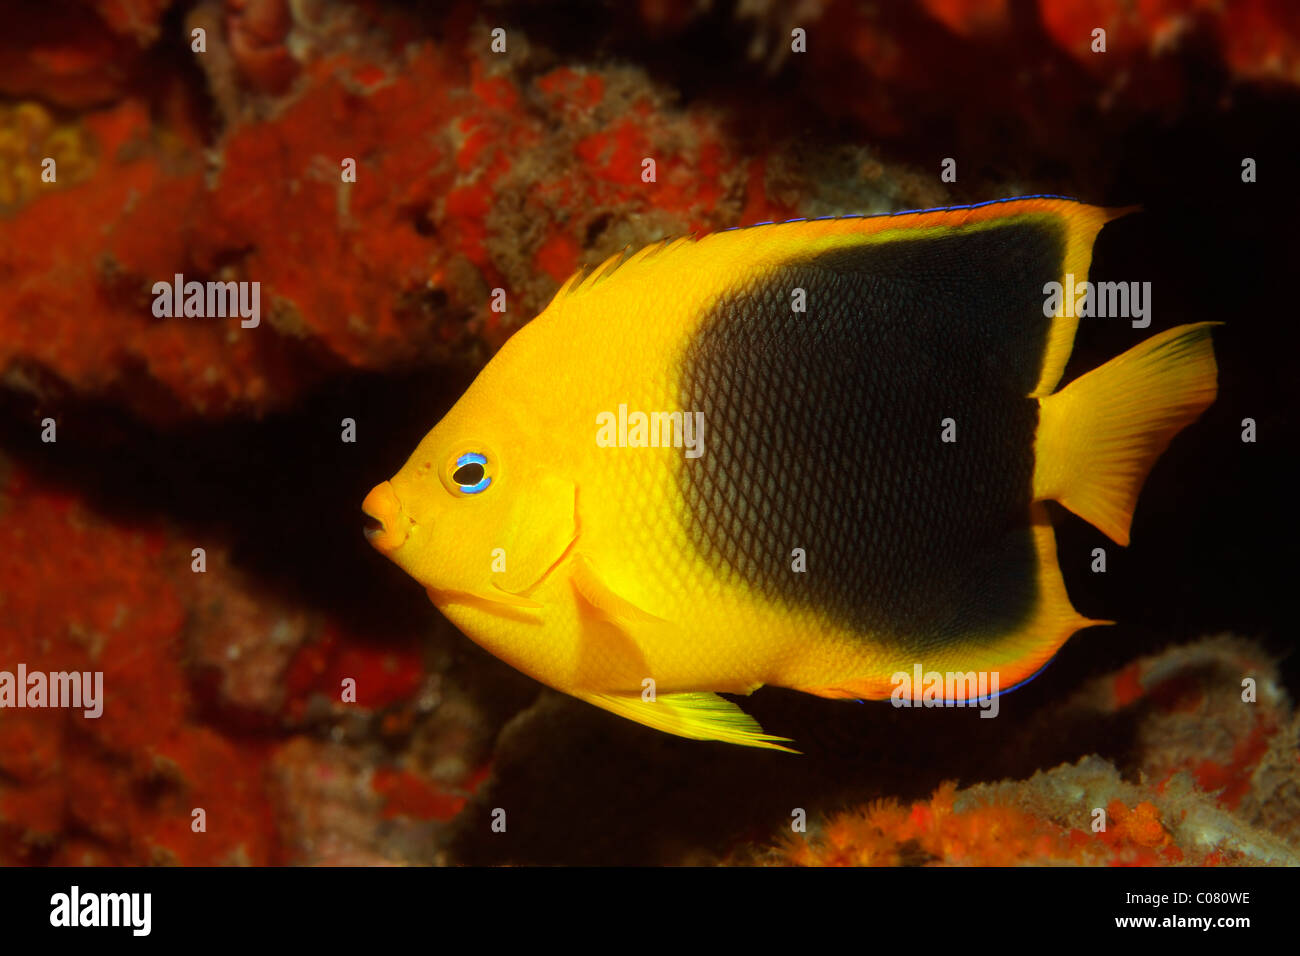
(1099, 436)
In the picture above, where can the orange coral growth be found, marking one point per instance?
(80, 595)
(257, 30)
(575, 89)
(461, 170)
(1233, 778)
(1128, 685)
(208, 682)
(406, 794)
(383, 675)
(77, 64)
(886, 834)
(1256, 38)
(993, 834)
(558, 256)
(1141, 825)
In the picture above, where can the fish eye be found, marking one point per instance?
(470, 476)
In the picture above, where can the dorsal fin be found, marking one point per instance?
(585, 279)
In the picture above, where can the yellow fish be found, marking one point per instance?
(810, 455)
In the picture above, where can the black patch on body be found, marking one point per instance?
(822, 432)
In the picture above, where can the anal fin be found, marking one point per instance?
(699, 716)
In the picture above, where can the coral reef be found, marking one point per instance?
(1031, 823)
(465, 173)
(466, 180)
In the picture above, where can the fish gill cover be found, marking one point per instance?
(252, 251)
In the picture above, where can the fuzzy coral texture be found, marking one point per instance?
(210, 684)
(467, 173)
(475, 171)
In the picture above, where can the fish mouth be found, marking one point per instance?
(389, 526)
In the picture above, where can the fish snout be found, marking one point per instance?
(383, 506)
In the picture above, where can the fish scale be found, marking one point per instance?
(822, 508)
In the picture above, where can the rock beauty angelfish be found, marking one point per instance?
(847, 489)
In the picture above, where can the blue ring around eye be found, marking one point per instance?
(473, 458)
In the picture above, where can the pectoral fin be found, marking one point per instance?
(542, 526)
(603, 599)
(699, 716)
